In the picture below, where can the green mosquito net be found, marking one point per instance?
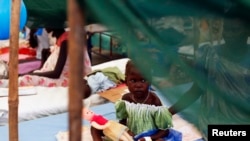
(185, 45)
(182, 45)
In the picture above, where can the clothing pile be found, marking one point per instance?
(104, 79)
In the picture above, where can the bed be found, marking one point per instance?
(46, 128)
(26, 56)
(107, 42)
(55, 127)
(24, 51)
(46, 101)
(43, 111)
(104, 42)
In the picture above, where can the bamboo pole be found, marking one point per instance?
(76, 44)
(13, 70)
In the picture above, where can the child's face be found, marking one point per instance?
(136, 83)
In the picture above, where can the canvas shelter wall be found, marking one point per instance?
(51, 13)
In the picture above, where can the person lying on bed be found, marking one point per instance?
(55, 70)
(127, 110)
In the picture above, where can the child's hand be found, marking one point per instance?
(131, 133)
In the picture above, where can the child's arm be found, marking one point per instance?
(160, 134)
(186, 99)
(98, 126)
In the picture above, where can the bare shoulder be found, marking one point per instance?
(155, 99)
(127, 97)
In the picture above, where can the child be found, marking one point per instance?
(111, 129)
(130, 108)
(141, 110)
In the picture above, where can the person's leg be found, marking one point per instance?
(96, 134)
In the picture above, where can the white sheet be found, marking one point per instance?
(54, 100)
(4, 92)
(47, 101)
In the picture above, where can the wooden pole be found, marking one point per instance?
(13, 70)
(76, 44)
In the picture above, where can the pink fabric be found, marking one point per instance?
(23, 67)
(28, 66)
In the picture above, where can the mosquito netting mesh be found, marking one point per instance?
(183, 45)
(188, 45)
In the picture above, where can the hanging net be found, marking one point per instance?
(188, 45)
(192, 46)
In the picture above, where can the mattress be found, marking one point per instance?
(46, 128)
(43, 114)
(55, 127)
(51, 100)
